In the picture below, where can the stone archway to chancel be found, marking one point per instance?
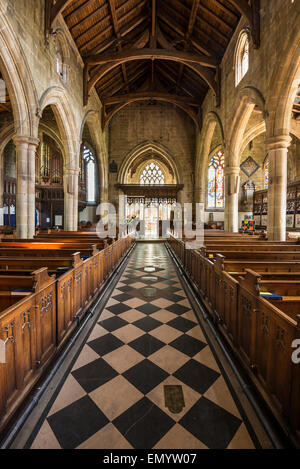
(150, 179)
(149, 151)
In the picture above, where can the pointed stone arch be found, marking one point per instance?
(248, 99)
(18, 79)
(93, 121)
(284, 83)
(149, 148)
(57, 98)
(211, 123)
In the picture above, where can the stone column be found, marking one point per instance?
(199, 198)
(75, 200)
(1, 188)
(32, 148)
(71, 199)
(232, 185)
(277, 148)
(25, 197)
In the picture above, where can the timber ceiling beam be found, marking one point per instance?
(53, 9)
(207, 75)
(198, 45)
(112, 9)
(169, 53)
(153, 38)
(150, 95)
(190, 28)
(251, 12)
(213, 80)
(152, 54)
(106, 118)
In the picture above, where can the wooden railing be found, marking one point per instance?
(258, 331)
(33, 329)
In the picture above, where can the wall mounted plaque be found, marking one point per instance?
(249, 166)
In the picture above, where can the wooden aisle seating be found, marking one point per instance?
(238, 291)
(46, 308)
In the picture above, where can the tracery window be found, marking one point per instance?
(266, 175)
(88, 173)
(152, 175)
(61, 67)
(242, 57)
(216, 181)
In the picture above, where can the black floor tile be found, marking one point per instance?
(105, 344)
(112, 324)
(122, 297)
(211, 424)
(147, 345)
(119, 308)
(126, 289)
(144, 424)
(147, 308)
(147, 324)
(199, 377)
(188, 345)
(94, 374)
(171, 289)
(181, 324)
(178, 309)
(77, 422)
(172, 296)
(145, 376)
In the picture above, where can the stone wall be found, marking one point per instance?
(278, 22)
(27, 20)
(140, 123)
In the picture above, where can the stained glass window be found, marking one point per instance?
(216, 181)
(152, 175)
(267, 170)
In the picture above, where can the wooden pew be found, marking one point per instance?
(28, 329)
(245, 255)
(63, 250)
(264, 342)
(259, 330)
(35, 328)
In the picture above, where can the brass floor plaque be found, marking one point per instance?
(174, 399)
(150, 278)
(149, 292)
(150, 269)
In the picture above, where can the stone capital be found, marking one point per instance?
(280, 142)
(232, 170)
(71, 171)
(23, 140)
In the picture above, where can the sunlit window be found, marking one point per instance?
(152, 175)
(216, 181)
(242, 58)
(89, 170)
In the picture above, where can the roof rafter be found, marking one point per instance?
(190, 28)
(170, 99)
(52, 10)
(252, 14)
(113, 13)
(150, 95)
(147, 53)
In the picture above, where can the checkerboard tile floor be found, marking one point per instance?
(147, 338)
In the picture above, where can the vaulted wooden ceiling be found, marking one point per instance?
(177, 45)
(166, 50)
